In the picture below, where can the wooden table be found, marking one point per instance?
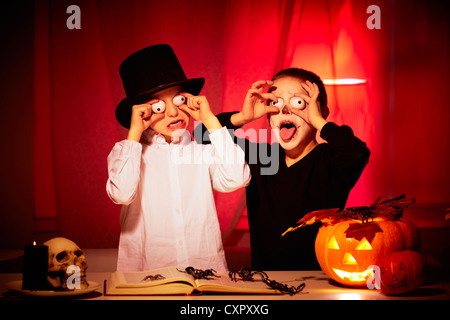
(318, 287)
(300, 306)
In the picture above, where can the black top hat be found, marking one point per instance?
(148, 71)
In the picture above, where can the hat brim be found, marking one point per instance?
(123, 109)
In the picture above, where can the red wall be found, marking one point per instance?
(401, 112)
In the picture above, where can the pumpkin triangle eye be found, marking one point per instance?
(332, 244)
(402, 266)
(363, 245)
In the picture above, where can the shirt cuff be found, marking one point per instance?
(225, 147)
(219, 134)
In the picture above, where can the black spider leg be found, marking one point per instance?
(153, 277)
(263, 275)
(244, 273)
(200, 274)
(211, 273)
(188, 270)
(284, 288)
(147, 278)
(247, 275)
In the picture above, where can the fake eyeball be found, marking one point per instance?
(159, 107)
(279, 103)
(179, 100)
(298, 103)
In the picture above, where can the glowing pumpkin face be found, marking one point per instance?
(346, 249)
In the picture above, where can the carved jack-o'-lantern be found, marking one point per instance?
(402, 272)
(348, 248)
(353, 239)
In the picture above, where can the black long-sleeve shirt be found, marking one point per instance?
(277, 197)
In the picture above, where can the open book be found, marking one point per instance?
(170, 281)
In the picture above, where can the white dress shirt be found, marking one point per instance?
(168, 217)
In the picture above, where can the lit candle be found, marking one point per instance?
(35, 266)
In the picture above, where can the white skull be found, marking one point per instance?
(63, 253)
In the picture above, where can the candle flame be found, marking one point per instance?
(34, 243)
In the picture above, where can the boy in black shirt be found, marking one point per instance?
(302, 175)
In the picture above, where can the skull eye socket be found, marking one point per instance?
(78, 253)
(61, 256)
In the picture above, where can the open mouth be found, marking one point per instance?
(287, 130)
(177, 124)
(353, 276)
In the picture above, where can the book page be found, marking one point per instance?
(152, 277)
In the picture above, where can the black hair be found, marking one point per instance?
(303, 75)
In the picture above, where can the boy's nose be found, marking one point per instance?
(171, 109)
(285, 110)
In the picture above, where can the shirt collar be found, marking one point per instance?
(181, 140)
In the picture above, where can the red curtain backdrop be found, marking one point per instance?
(401, 111)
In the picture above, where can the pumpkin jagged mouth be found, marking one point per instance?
(398, 284)
(353, 276)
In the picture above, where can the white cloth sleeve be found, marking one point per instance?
(228, 169)
(124, 163)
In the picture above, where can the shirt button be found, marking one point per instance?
(180, 243)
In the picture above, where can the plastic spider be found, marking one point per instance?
(200, 274)
(364, 213)
(246, 274)
(283, 288)
(153, 278)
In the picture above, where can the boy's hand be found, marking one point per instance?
(199, 109)
(311, 113)
(140, 119)
(255, 104)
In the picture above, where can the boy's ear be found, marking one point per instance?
(325, 111)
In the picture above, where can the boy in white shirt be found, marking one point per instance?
(165, 181)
